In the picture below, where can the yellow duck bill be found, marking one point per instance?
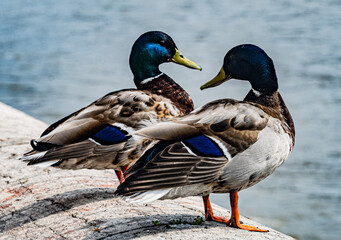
(219, 79)
(182, 60)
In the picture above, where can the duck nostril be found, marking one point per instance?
(182, 56)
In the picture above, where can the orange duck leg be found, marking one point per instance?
(120, 174)
(234, 220)
(209, 211)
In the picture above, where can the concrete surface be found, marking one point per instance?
(49, 203)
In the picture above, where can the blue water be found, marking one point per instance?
(57, 56)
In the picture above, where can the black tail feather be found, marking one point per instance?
(42, 146)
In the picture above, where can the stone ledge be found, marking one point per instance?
(49, 203)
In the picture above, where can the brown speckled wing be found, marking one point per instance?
(172, 166)
(233, 126)
(128, 110)
(232, 123)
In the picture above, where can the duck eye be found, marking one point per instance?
(162, 43)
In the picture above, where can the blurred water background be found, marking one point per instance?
(57, 56)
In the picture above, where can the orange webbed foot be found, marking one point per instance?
(234, 220)
(234, 224)
(216, 219)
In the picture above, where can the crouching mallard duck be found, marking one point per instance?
(97, 136)
(222, 147)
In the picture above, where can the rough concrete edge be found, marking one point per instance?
(51, 203)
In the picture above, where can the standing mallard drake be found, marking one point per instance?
(223, 147)
(97, 136)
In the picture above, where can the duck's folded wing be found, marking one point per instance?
(169, 165)
(127, 109)
(85, 154)
(107, 141)
(108, 121)
(225, 117)
(194, 148)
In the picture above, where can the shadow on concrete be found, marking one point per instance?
(112, 228)
(52, 205)
(135, 227)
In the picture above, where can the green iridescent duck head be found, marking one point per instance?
(247, 62)
(152, 49)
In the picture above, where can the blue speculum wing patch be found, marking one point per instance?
(110, 135)
(202, 145)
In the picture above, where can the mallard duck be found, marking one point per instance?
(97, 136)
(224, 146)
